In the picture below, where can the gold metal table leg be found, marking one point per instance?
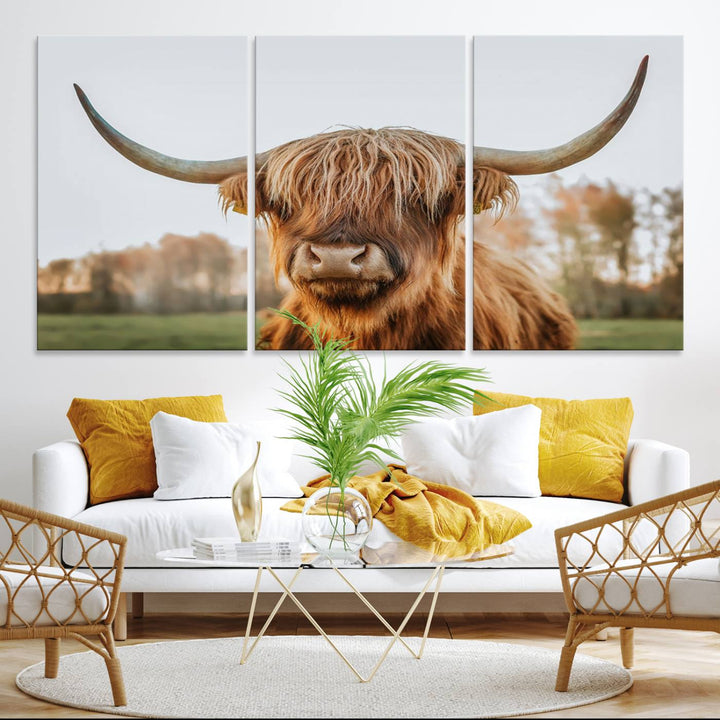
(437, 572)
(437, 575)
(246, 654)
(432, 610)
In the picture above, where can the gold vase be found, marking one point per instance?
(247, 502)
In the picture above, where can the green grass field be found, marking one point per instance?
(228, 331)
(194, 331)
(631, 335)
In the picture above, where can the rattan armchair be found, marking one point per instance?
(40, 598)
(652, 565)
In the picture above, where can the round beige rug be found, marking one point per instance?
(301, 676)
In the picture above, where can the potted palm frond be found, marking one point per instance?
(345, 418)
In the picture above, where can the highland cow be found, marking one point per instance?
(366, 224)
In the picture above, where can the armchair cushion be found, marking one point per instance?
(28, 592)
(693, 590)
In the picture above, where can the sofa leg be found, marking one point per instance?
(627, 646)
(138, 605)
(120, 624)
(52, 657)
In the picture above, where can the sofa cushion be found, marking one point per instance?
(115, 436)
(535, 548)
(61, 607)
(152, 525)
(582, 443)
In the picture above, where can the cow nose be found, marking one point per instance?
(333, 260)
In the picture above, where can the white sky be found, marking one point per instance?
(188, 97)
(183, 96)
(538, 92)
(309, 84)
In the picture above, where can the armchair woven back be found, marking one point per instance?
(604, 561)
(40, 596)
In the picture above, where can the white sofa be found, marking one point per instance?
(61, 479)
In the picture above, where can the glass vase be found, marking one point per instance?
(247, 502)
(337, 522)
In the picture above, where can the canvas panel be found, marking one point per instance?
(129, 259)
(348, 246)
(603, 238)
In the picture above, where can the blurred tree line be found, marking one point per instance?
(178, 275)
(611, 252)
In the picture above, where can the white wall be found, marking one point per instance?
(676, 394)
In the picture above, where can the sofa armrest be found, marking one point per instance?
(61, 479)
(655, 469)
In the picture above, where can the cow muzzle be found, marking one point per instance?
(341, 261)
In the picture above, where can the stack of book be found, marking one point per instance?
(278, 552)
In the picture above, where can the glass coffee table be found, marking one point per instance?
(388, 555)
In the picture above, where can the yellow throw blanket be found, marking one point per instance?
(429, 515)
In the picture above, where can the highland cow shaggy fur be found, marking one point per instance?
(395, 198)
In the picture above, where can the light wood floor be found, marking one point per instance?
(677, 673)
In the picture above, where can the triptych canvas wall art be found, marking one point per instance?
(360, 192)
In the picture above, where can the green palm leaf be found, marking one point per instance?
(343, 416)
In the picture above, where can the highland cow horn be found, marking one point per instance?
(197, 171)
(533, 162)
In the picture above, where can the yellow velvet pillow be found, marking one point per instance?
(582, 443)
(116, 438)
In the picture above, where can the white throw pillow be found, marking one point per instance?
(204, 459)
(493, 454)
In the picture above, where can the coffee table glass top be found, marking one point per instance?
(389, 554)
(441, 553)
